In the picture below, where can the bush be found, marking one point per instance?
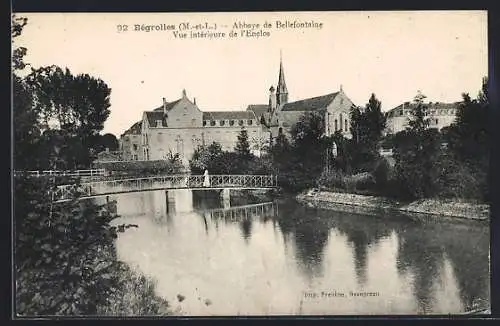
(64, 257)
(141, 168)
(459, 181)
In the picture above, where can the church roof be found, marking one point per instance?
(310, 104)
(258, 109)
(228, 115)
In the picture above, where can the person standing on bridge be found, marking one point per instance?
(206, 181)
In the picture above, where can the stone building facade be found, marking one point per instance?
(130, 142)
(180, 126)
(440, 115)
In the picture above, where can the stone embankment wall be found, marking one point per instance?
(377, 205)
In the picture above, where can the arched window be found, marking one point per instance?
(341, 127)
(336, 125)
(345, 125)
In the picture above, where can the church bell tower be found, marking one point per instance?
(281, 91)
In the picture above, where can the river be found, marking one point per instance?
(282, 258)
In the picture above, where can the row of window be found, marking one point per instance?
(343, 127)
(221, 123)
(440, 112)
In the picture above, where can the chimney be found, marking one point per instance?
(184, 93)
(164, 106)
(194, 100)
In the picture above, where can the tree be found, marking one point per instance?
(242, 148)
(17, 25)
(416, 154)
(108, 141)
(307, 153)
(367, 126)
(468, 143)
(77, 105)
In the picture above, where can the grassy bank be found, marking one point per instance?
(377, 205)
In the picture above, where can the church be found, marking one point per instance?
(179, 126)
(280, 115)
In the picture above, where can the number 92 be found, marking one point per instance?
(121, 28)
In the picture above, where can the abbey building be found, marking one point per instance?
(180, 126)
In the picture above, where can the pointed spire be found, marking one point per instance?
(281, 91)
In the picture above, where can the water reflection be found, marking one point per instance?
(261, 258)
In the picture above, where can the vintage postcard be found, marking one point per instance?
(251, 164)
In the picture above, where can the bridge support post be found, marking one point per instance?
(226, 197)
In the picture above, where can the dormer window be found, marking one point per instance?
(158, 123)
(212, 122)
(231, 122)
(240, 122)
(222, 122)
(250, 122)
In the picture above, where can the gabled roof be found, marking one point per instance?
(228, 115)
(258, 109)
(310, 104)
(169, 106)
(135, 129)
(154, 116)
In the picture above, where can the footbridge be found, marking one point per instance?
(192, 182)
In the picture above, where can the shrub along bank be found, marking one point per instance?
(65, 259)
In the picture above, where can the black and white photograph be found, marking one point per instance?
(314, 163)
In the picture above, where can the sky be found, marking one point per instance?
(392, 54)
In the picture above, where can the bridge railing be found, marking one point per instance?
(68, 173)
(241, 212)
(95, 188)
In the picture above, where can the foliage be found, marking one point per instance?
(468, 144)
(27, 129)
(337, 180)
(416, 154)
(457, 180)
(60, 265)
(17, 25)
(367, 126)
(172, 165)
(70, 111)
(108, 141)
(217, 161)
(242, 148)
